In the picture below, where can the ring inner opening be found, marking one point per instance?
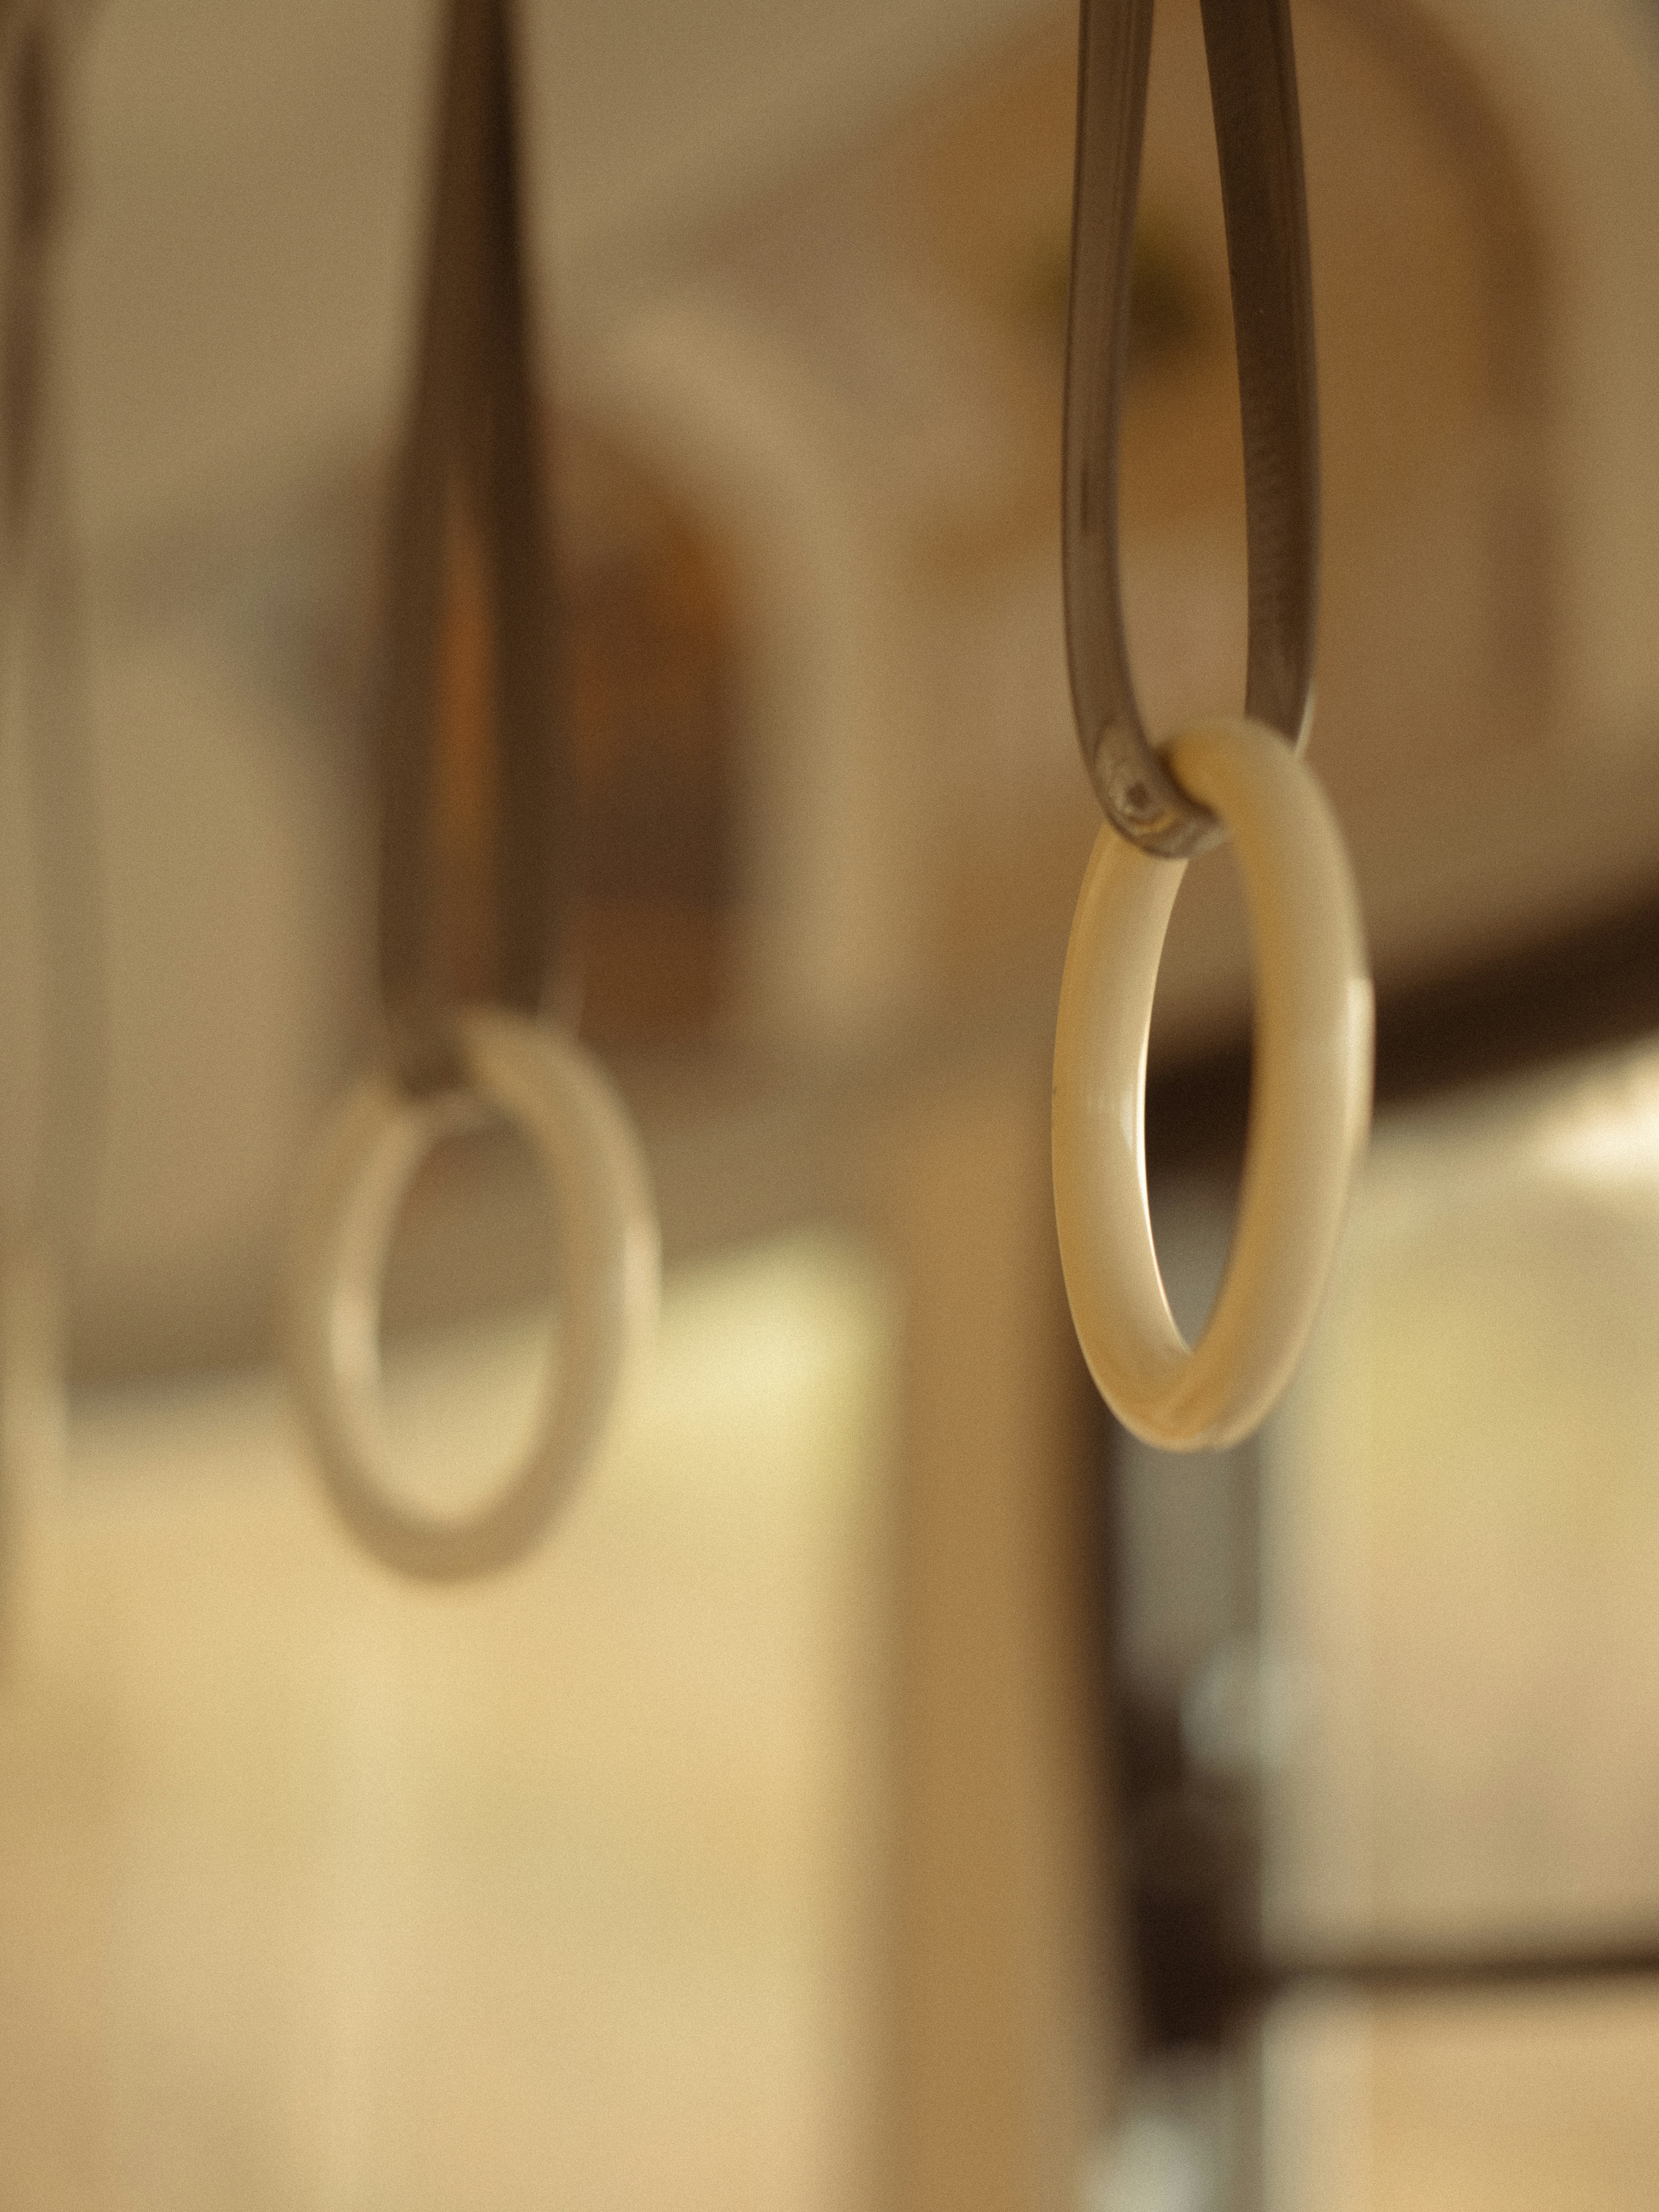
(470, 1314)
(1198, 1089)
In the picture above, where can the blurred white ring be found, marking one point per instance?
(1309, 1102)
(609, 1274)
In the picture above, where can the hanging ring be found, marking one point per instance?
(1309, 1102)
(1253, 94)
(608, 1267)
(478, 883)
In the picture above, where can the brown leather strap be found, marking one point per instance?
(1253, 93)
(477, 849)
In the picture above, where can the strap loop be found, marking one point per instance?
(478, 847)
(1253, 94)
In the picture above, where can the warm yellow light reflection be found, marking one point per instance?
(318, 1889)
(1462, 1579)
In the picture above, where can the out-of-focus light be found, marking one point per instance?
(1605, 1133)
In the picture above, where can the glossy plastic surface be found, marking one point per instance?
(1310, 1106)
(608, 1271)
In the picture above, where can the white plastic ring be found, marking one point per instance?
(608, 1271)
(1309, 1103)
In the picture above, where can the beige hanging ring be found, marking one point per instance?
(565, 1107)
(1309, 1103)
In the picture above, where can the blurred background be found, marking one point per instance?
(890, 1786)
